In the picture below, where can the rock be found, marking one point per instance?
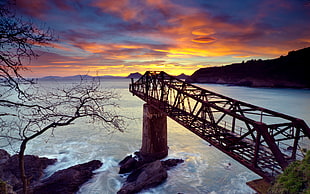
(125, 160)
(4, 156)
(9, 170)
(6, 188)
(68, 180)
(168, 164)
(289, 148)
(147, 176)
(127, 165)
(63, 181)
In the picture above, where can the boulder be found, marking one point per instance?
(147, 176)
(68, 180)
(6, 188)
(125, 160)
(34, 166)
(63, 181)
(168, 164)
(127, 165)
(4, 156)
(144, 174)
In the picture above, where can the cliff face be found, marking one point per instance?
(292, 70)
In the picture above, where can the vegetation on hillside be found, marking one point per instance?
(291, 70)
(294, 179)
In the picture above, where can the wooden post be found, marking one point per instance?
(154, 135)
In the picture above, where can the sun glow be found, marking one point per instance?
(123, 36)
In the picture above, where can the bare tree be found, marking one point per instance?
(18, 39)
(54, 108)
(27, 111)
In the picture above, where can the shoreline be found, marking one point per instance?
(252, 86)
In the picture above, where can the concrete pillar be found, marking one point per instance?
(154, 135)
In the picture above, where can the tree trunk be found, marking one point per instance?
(22, 166)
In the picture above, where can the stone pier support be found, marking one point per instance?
(154, 135)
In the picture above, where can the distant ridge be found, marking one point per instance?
(292, 71)
(183, 76)
(136, 75)
(78, 77)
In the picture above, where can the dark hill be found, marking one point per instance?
(292, 70)
(182, 76)
(136, 75)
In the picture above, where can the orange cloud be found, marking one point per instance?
(158, 35)
(191, 32)
(203, 39)
(203, 31)
(246, 56)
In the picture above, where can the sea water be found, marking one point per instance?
(205, 169)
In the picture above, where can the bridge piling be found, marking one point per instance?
(256, 137)
(154, 135)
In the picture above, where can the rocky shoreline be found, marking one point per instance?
(64, 181)
(144, 174)
(141, 174)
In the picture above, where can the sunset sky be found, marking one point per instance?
(117, 37)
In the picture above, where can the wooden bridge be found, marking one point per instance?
(263, 140)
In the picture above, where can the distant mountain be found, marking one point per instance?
(182, 76)
(292, 70)
(134, 75)
(79, 77)
(110, 77)
(138, 75)
(50, 77)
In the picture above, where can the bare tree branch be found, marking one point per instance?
(27, 112)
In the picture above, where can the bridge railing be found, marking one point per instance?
(263, 140)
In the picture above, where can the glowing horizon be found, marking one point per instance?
(107, 37)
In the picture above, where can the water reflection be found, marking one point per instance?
(205, 168)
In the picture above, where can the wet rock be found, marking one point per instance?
(147, 176)
(125, 160)
(289, 148)
(68, 180)
(168, 164)
(127, 165)
(144, 174)
(34, 166)
(63, 181)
